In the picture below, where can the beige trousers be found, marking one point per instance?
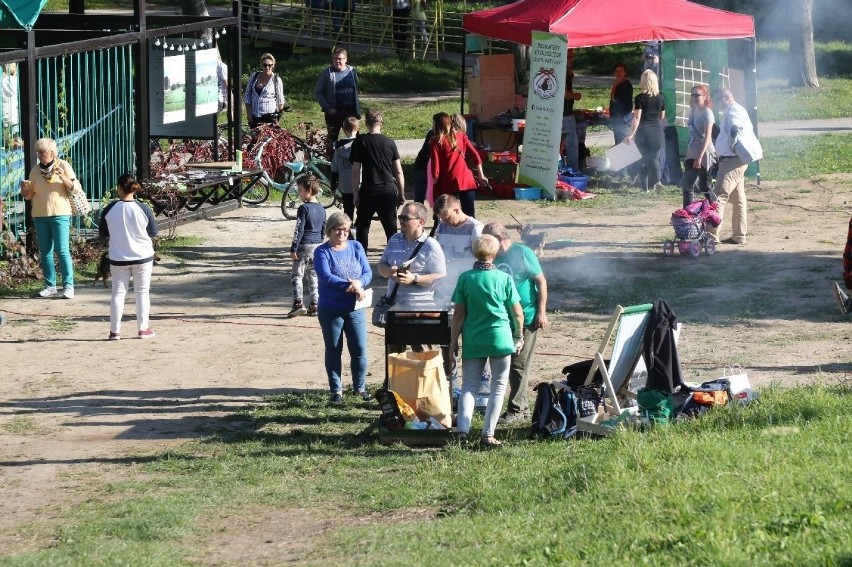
(730, 186)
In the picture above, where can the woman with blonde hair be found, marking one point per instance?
(264, 96)
(487, 316)
(450, 152)
(700, 153)
(47, 187)
(649, 112)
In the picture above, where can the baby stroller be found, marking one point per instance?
(690, 225)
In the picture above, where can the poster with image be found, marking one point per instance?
(206, 82)
(174, 89)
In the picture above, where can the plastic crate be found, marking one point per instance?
(504, 157)
(578, 181)
(527, 193)
(501, 190)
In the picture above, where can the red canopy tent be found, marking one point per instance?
(590, 23)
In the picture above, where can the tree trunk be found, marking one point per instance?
(194, 7)
(802, 58)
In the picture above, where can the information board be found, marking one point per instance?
(191, 126)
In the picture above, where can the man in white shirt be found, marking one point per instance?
(735, 130)
(456, 232)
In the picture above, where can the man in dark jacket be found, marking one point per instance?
(337, 94)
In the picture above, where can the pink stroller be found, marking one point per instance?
(690, 225)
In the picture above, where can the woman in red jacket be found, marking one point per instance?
(450, 152)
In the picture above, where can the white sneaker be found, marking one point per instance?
(47, 292)
(68, 293)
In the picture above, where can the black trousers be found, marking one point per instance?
(378, 201)
(649, 140)
(690, 176)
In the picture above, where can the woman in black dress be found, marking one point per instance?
(649, 112)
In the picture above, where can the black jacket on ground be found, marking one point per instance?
(660, 350)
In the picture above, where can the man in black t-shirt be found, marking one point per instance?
(377, 179)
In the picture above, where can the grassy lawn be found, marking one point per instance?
(766, 484)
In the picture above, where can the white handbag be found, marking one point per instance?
(80, 205)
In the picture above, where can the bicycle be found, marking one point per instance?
(295, 170)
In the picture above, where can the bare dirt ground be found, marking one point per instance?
(75, 409)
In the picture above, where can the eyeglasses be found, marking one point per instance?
(406, 218)
(340, 229)
(269, 64)
(696, 95)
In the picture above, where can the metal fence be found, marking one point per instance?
(366, 25)
(86, 103)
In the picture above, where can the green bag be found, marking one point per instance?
(655, 405)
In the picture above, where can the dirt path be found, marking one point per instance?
(76, 409)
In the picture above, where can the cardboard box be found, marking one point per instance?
(489, 97)
(497, 66)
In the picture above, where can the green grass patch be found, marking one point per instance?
(765, 484)
(61, 324)
(777, 101)
(20, 425)
(802, 157)
(169, 245)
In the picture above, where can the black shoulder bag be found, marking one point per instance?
(383, 305)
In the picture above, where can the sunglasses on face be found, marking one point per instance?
(340, 229)
(269, 64)
(406, 218)
(696, 95)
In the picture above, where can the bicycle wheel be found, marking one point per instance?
(258, 194)
(290, 201)
(327, 196)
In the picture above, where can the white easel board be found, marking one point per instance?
(622, 155)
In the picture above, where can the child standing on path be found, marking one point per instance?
(310, 227)
(341, 167)
(129, 225)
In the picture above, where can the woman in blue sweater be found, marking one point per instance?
(343, 273)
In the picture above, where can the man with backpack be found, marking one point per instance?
(520, 262)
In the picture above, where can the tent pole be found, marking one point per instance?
(753, 50)
(463, 64)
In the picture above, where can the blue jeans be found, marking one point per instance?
(335, 323)
(572, 142)
(55, 233)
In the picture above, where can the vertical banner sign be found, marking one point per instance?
(546, 99)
